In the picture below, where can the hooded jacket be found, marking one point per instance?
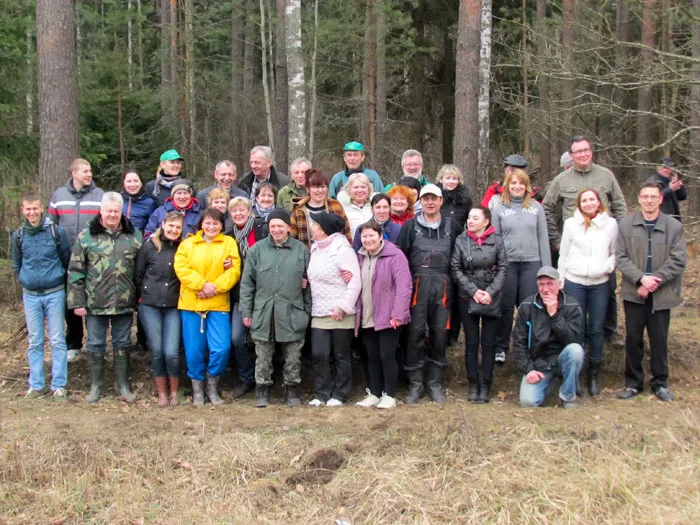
(72, 209)
(138, 208)
(191, 215)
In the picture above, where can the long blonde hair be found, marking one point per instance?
(170, 216)
(601, 206)
(524, 178)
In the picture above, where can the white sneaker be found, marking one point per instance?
(60, 394)
(369, 401)
(386, 401)
(35, 394)
(333, 402)
(499, 357)
(72, 355)
(315, 402)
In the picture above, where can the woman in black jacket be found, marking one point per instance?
(456, 201)
(479, 266)
(158, 289)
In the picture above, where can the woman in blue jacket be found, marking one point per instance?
(138, 206)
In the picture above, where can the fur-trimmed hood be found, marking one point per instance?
(96, 227)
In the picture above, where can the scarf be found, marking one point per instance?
(241, 235)
(33, 230)
(167, 181)
(481, 238)
(262, 212)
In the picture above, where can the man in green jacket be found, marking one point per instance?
(101, 289)
(276, 305)
(290, 194)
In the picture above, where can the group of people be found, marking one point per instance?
(343, 262)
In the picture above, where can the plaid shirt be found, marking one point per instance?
(300, 220)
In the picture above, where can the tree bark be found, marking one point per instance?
(295, 72)
(29, 83)
(58, 91)
(312, 118)
(266, 88)
(466, 140)
(190, 102)
(569, 85)
(250, 62)
(484, 95)
(282, 105)
(381, 80)
(645, 122)
(237, 88)
(694, 107)
(129, 47)
(370, 82)
(544, 142)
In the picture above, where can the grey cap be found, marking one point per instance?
(517, 161)
(548, 271)
(565, 159)
(668, 162)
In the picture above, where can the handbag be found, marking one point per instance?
(474, 308)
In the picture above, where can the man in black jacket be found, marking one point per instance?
(547, 341)
(672, 187)
(261, 170)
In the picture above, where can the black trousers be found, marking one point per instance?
(335, 344)
(74, 330)
(610, 328)
(475, 334)
(381, 356)
(637, 318)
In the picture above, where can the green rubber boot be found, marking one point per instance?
(121, 374)
(96, 365)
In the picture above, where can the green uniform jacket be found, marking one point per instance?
(101, 269)
(271, 290)
(290, 195)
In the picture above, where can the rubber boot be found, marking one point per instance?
(96, 364)
(594, 378)
(121, 374)
(242, 389)
(174, 398)
(262, 396)
(484, 392)
(293, 396)
(162, 388)
(212, 384)
(415, 386)
(197, 393)
(434, 381)
(473, 396)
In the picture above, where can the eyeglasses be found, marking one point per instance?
(581, 151)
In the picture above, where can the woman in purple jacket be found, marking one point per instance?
(382, 308)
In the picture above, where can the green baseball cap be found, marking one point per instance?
(354, 146)
(171, 154)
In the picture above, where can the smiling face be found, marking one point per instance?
(353, 159)
(225, 176)
(111, 213)
(182, 198)
(32, 210)
(132, 183)
(412, 166)
(317, 195)
(278, 230)
(219, 204)
(450, 181)
(517, 187)
(265, 199)
(371, 240)
(211, 227)
(359, 192)
(431, 205)
(240, 214)
(172, 229)
(82, 176)
(260, 165)
(399, 204)
(381, 211)
(582, 155)
(477, 221)
(589, 203)
(171, 167)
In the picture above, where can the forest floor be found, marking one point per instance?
(609, 461)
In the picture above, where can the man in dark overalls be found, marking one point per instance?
(427, 241)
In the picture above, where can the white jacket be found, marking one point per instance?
(356, 215)
(587, 257)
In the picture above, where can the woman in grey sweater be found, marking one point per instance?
(520, 221)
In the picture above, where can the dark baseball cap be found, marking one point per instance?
(668, 162)
(517, 161)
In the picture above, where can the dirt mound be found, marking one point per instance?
(318, 468)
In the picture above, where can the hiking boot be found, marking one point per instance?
(386, 402)
(293, 396)
(568, 404)
(162, 389)
(473, 396)
(594, 378)
(628, 393)
(174, 398)
(484, 393)
(415, 386)
(60, 394)
(35, 394)
(96, 365)
(664, 394)
(121, 375)
(369, 401)
(242, 389)
(197, 393)
(434, 381)
(212, 384)
(262, 396)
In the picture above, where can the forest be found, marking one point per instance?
(466, 82)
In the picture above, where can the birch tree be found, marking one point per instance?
(295, 75)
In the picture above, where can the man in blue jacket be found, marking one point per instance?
(40, 255)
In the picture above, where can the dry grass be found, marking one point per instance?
(609, 462)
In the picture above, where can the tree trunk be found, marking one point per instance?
(525, 53)
(29, 83)
(568, 85)
(694, 106)
(312, 118)
(645, 122)
(139, 41)
(295, 71)
(484, 98)
(370, 82)
(447, 94)
(129, 47)
(545, 136)
(266, 88)
(237, 88)
(466, 148)
(58, 91)
(282, 105)
(190, 102)
(252, 32)
(380, 92)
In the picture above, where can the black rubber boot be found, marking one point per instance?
(293, 396)
(262, 396)
(594, 378)
(121, 375)
(484, 392)
(96, 364)
(197, 393)
(473, 396)
(415, 386)
(242, 389)
(212, 384)
(434, 381)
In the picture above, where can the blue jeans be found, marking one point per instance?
(239, 336)
(208, 329)
(594, 303)
(521, 282)
(97, 331)
(567, 367)
(162, 327)
(52, 307)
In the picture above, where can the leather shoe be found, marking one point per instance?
(664, 394)
(628, 393)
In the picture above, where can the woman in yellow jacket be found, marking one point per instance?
(208, 266)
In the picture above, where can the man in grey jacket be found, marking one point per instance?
(560, 202)
(651, 256)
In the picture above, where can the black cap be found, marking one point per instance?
(668, 162)
(330, 223)
(516, 161)
(281, 214)
(409, 182)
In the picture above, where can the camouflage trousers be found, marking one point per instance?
(265, 351)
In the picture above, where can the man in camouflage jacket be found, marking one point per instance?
(101, 289)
